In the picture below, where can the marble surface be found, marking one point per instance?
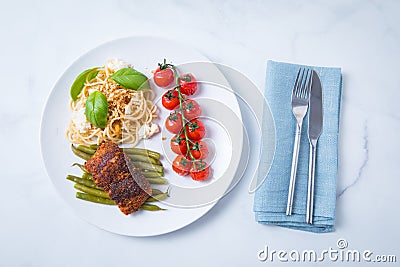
(41, 38)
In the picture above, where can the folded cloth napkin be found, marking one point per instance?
(271, 197)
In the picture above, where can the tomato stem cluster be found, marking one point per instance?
(165, 65)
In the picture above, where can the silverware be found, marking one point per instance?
(300, 99)
(315, 122)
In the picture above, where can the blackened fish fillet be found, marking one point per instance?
(113, 170)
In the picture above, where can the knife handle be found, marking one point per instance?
(293, 171)
(310, 187)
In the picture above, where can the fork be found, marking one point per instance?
(300, 99)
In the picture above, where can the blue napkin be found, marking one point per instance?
(271, 197)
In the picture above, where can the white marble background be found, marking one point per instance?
(39, 39)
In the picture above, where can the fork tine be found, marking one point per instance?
(304, 85)
(299, 83)
(309, 86)
(296, 82)
(307, 89)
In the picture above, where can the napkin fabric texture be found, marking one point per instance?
(271, 197)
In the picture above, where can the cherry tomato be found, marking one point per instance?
(188, 84)
(170, 99)
(200, 171)
(199, 150)
(195, 130)
(163, 76)
(174, 122)
(181, 165)
(178, 144)
(191, 109)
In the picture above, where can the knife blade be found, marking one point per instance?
(315, 112)
(315, 123)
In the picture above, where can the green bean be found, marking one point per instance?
(143, 158)
(151, 174)
(157, 180)
(83, 181)
(82, 167)
(94, 199)
(94, 147)
(85, 149)
(87, 176)
(159, 197)
(148, 166)
(157, 192)
(157, 161)
(150, 207)
(142, 151)
(91, 191)
(80, 154)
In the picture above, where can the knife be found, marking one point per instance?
(315, 122)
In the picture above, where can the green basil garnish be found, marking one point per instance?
(96, 110)
(79, 82)
(131, 79)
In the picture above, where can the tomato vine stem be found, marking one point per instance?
(181, 100)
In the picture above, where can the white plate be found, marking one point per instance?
(144, 53)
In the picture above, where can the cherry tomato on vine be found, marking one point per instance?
(191, 109)
(199, 171)
(173, 122)
(195, 130)
(199, 150)
(178, 144)
(181, 165)
(163, 76)
(188, 84)
(170, 99)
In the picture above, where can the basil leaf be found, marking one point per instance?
(79, 82)
(131, 79)
(96, 110)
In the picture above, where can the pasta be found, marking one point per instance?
(130, 113)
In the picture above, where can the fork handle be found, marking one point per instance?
(293, 170)
(310, 187)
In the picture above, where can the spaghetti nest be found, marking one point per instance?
(130, 113)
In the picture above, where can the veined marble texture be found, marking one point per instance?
(40, 39)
